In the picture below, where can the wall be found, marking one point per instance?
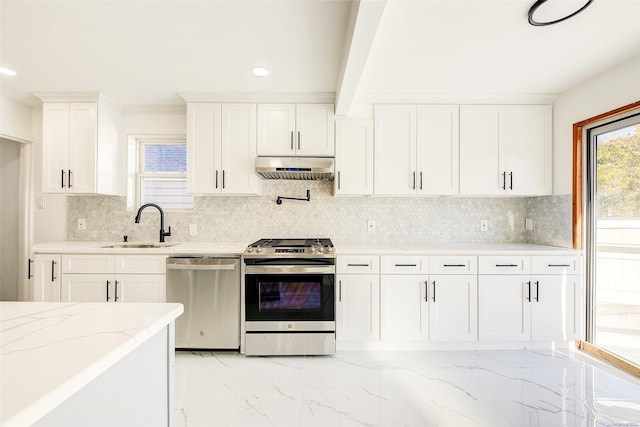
(15, 120)
(9, 219)
(607, 91)
(410, 220)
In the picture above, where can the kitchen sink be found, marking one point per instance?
(139, 245)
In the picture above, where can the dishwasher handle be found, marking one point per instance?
(202, 263)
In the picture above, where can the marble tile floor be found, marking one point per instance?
(545, 388)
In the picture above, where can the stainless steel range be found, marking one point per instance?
(289, 297)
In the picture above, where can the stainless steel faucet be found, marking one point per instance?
(163, 234)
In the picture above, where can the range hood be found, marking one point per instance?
(301, 168)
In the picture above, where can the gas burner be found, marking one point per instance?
(291, 247)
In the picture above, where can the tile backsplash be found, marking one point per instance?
(343, 219)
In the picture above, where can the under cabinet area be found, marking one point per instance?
(80, 147)
(296, 130)
(221, 149)
(100, 278)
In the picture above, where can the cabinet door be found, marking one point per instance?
(141, 287)
(482, 136)
(395, 148)
(55, 147)
(453, 307)
(528, 149)
(203, 148)
(554, 307)
(83, 139)
(358, 308)
(46, 281)
(315, 134)
(88, 288)
(504, 311)
(404, 314)
(276, 129)
(354, 157)
(437, 139)
(238, 167)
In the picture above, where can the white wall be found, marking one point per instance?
(15, 120)
(614, 88)
(9, 220)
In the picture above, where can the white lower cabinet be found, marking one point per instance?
(112, 278)
(453, 307)
(540, 304)
(404, 309)
(357, 312)
(46, 279)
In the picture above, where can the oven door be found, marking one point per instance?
(290, 297)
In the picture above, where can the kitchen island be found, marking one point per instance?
(84, 364)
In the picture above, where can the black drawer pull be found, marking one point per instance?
(358, 265)
(406, 265)
(559, 265)
(455, 265)
(507, 265)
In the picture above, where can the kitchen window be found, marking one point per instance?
(160, 173)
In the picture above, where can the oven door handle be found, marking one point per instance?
(288, 269)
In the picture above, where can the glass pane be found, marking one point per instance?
(168, 193)
(165, 158)
(617, 240)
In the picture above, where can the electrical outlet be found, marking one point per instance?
(528, 224)
(484, 225)
(82, 224)
(371, 225)
(193, 229)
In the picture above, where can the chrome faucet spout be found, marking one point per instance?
(163, 233)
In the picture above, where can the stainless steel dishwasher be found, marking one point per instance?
(209, 289)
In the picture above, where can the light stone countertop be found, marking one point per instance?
(170, 248)
(345, 248)
(49, 351)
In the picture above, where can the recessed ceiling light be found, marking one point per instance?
(7, 72)
(259, 71)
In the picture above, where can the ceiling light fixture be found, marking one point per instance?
(259, 71)
(539, 3)
(7, 72)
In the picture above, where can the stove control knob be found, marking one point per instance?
(320, 249)
(249, 249)
(258, 249)
(329, 249)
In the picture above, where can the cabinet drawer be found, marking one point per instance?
(504, 265)
(555, 264)
(141, 264)
(453, 265)
(92, 264)
(358, 264)
(404, 264)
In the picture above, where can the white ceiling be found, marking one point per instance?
(149, 52)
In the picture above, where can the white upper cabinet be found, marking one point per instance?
(354, 157)
(296, 130)
(505, 149)
(80, 147)
(416, 149)
(221, 149)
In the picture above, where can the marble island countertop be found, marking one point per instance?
(49, 351)
(342, 248)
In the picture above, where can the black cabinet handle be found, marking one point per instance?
(510, 180)
(426, 290)
(406, 265)
(29, 276)
(433, 297)
(358, 265)
(216, 178)
(223, 174)
(454, 265)
(558, 265)
(529, 292)
(62, 179)
(506, 265)
(421, 180)
(537, 291)
(291, 140)
(339, 290)
(299, 139)
(69, 178)
(338, 180)
(504, 180)
(414, 180)
(53, 271)
(116, 292)
(108, 282)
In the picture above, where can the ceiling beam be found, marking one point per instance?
(363, 24)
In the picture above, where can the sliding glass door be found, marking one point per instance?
(613, 238)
